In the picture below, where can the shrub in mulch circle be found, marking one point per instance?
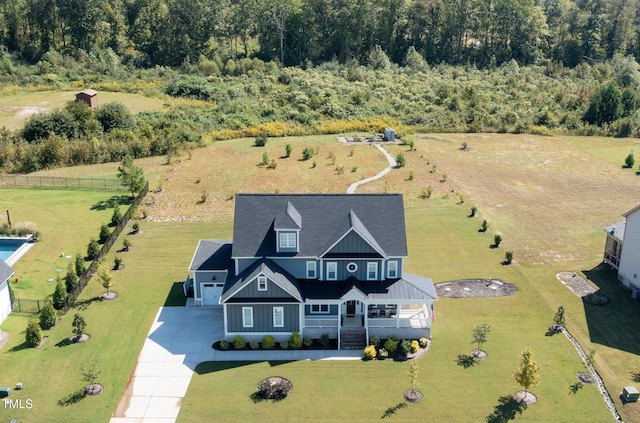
(595, 298)
(413, 396)
(274, 387)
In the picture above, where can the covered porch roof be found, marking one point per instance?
(616, 231)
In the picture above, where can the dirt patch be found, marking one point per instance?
(4, 337)
(479, 354)
(587, 378)
(576, 283)
(475, 288)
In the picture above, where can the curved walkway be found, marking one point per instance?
(392, 164)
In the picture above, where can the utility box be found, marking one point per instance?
(630, 394)
(389, 134)
(5, 392)
(635, 293)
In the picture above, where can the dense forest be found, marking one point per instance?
(301, 32)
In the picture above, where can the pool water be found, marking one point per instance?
(8, 246)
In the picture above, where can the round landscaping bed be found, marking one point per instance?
(275, 388)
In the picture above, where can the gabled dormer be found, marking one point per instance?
(287, 225)
(353, 240)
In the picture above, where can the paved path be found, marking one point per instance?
(392, 164)
(179, 339)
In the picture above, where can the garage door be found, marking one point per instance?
(211, 293)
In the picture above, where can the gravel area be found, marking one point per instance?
(475, 288)
(576, 283)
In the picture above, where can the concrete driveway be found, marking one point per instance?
(179, 339)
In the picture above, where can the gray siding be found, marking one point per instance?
(297, 267)
(360, 274)
(333, 311)
(386, 269)
(263, 318)
(244, 263)
(206, 276)
(352, 243)
(251, 291)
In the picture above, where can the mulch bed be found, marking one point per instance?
(93, 389)
(80, 339)
(413, 396)
(109, 295)
(479, 354)
(587, 378)
(525, 397)
(274, 387)
(475, 288)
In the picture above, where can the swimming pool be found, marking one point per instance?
(10, 248)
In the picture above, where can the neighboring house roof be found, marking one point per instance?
(616, 230)
(409, 287)
(212, 254)
(377, 218)
(5, 271)
(272, 271)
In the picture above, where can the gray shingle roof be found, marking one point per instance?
(5, 271)
(380, 215)
(212, 254)
(616, 230)
(409, 287)
(268, 268)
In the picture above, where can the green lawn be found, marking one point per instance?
(548, 197)
(16, 108)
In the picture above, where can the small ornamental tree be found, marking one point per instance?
(79, 265)
(116, 217)
(527, 375)
(33, 334)
(59, 295)
(126, 244)
(70, 279)
(93, 249)
(307, 153)
(479, 334)
(104, 233)
(104, 277)
(79, 325)
(508, 257)
(288, 149)
(497, 240)
(91, 373)
(48, 316)
(629, 161)
(131, 175)
(400, 160)
(117, 262)
(559, 318)
(485, 226)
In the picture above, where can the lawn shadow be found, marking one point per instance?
(393, 410)
(506, 409)
(72, 398)
(207, 367)
(466, 361)
(635, 377)
(116, 200)
(84, 304)
(65, 342)
(19, 347)
(175, 297)
(616, 323)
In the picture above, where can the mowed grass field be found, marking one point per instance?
(444, 244)
(16, 108)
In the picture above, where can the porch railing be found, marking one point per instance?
(611, 258)
(400, 322)
(324, 322)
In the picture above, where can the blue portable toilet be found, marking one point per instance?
(389, 134)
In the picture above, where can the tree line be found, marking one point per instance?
(299, 32)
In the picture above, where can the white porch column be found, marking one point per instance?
(397, 316)
(301, 314)
(224, 316)
(365, 305)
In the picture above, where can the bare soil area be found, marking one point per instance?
(475, 288)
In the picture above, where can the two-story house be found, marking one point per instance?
(622, 248)
(313, 264)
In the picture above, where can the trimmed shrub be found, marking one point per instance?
(93, 249)
(59, 297)
(382, 354)
(324, 340)
(307, 153)
(268, 342)
(135, 228)
(400, 160)
(375, 341)
(104, 233)
(254, 345)
(116, 217)
(239, 343)
(71, 279)
(33, 334)
(423, 342)
(497, 240)
(224, 344)
(79, 324)
(415, 346)
(390, 345)
(370, 352)
(405, 346)
(508, 257)
(288, 149)
(117, 261)
(307, 342)
(260, 141)
(48, 316)
(295, 342)
(284, 345)
(79, 265)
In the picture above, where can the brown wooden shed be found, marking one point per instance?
(88, 96)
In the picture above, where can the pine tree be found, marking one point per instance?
(59, 295)
(33, 334)
(48, 316)
(71, 279)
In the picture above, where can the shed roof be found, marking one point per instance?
(89, 92)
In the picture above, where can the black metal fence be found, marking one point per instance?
(102, 184)
(34, 306)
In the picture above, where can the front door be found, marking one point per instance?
(351, 308)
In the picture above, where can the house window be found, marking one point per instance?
(278, 317)
(247, 317)
(372, 271)
(392, 269)
(288, 240)
(319, 308)
(311, 270)
(332, 271)
(352, 267)
(262, 283)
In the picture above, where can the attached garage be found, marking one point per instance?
(211, 293)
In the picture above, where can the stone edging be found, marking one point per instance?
(601, 387)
